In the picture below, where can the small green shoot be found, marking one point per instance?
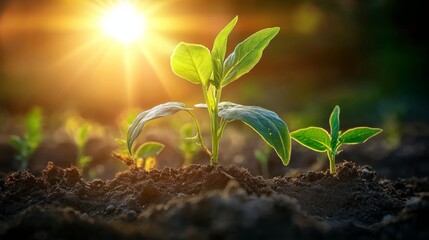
(263, 156)
(198, 65)
(78, 130)
(146, 153)
(144, 157)
(319, 140)
(28, 143)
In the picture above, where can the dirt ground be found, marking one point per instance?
(202, 202)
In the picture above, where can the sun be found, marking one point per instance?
(124, 23)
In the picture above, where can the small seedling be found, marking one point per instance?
(144, 157)
(28, 143)
(146, 153)
(263, 156)
(319, 140)
(78, 130)
(196, 64)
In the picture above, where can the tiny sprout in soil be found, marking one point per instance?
(144, 157)
(78, 129)
(196, 64)
(319, 140)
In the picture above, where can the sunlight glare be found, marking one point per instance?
(124, 23)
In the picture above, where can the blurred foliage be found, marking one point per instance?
(365, 56)
(263, 156)
(26, 144)
(81, 130)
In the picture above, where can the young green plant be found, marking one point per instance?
(31, 139)
(319, 140)
(196, 64)
(144, 156)
(263, 156)
(78, 130)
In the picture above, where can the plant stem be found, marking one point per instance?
(214, 122)
(331, 157)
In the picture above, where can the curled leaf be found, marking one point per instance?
(161, 110)
(334, 123)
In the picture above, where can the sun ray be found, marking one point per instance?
(158, 69)
(129, 78)
(78, 51)
(82, 52)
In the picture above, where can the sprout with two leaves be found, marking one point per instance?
(319, 140)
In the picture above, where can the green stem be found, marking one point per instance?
(212, 96)
(215, 127)
(331, 157)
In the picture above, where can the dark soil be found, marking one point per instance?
(202, 202)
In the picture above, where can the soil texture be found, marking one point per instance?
(203, 202)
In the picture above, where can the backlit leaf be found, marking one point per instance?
(265, 122)
(315, 138)
(358, 135)
(219, 50)
(192, 62)
(247, 54)
(161, 110)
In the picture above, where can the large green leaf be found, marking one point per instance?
(334, 123)
(219, 50)
(149, 149)
(265, 122)
(358, 135)
(192, 62)
(247, 54)
(161, 110)
(315, 138)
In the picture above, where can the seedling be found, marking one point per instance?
(196, 64)
(78, 130)
(144, 157)
(263, 156)
(28, 143)
(146, 153)
(319, 140)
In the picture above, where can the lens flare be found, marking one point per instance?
(124, 23)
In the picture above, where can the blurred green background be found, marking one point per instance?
(370, 57)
